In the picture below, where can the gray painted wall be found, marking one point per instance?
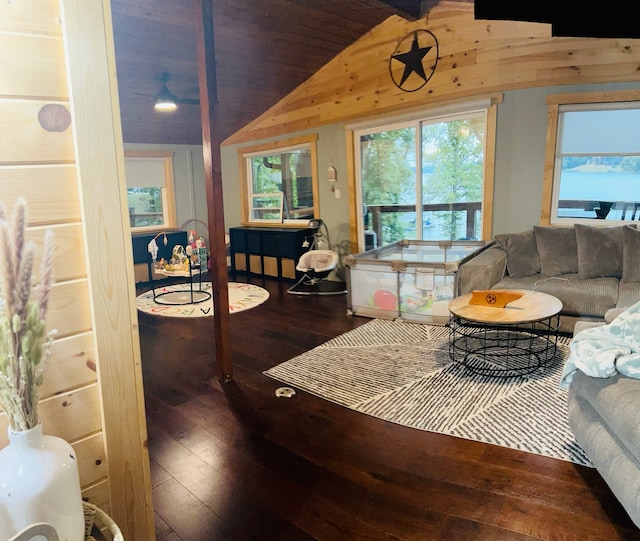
(520, 147)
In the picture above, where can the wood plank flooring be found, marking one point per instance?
(234, 462)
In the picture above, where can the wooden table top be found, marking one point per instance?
(532, 306)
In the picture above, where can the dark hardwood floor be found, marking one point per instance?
(234, 462)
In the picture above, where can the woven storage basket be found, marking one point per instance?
(94, 516)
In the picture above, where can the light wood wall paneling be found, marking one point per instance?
(98, 494)
(354, 218)
(88, 39)
(72, 365)
(24, 141)
(69, 262)
(92, 462)
(37, 162)
(30, 67)
(31, 16)
(475, 57)
(69, 308)
(489, 170)
(70, 416)
(51, 192)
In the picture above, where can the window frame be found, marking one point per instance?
(247, 153)
(168, 190)
(552, 169)
(488, 103)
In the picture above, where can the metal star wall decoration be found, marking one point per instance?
(415, 52)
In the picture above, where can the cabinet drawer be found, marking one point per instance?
(288, 268)
(271, 244)
(270, 266)
(268, 251)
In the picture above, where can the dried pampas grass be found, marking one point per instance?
(25, 344)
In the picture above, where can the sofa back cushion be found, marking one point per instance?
(630, 254)
(599, 251)
(522, 254)
(557, 249)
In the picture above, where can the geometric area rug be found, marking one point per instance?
(176, 299)
(401, 372)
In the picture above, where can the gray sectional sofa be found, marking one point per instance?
(603, 402)
(602, 414)
(593, 270)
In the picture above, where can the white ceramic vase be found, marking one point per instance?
(39, 482)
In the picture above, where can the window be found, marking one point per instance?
(425, 177)
(150, 193)
(593, 158)
(280, 184)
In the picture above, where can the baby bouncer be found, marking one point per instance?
(317, 264)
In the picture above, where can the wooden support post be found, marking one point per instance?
(213, 175)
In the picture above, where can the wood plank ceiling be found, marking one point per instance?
(264, 49)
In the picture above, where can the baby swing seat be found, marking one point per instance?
(319, 262)
(315, 266)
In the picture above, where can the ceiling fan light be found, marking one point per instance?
(165, 100)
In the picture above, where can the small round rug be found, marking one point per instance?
(175, 299)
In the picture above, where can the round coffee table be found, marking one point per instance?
(504, 342)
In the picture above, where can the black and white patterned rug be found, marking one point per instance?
(401, 372)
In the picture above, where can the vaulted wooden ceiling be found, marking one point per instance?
(264, 49)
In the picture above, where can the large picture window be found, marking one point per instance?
(593, 159)
(426, 177)
(280, 182)
(150, 191)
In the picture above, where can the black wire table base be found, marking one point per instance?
(181, 297)
(503, 350)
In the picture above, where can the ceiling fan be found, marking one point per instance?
(167, 101)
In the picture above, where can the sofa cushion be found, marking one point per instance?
(522, 253)
(630, 254)
(589, 298)
(599, 251)
(557, 249)
(602, 414)
(628, 294)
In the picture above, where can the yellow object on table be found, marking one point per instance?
(492, 297)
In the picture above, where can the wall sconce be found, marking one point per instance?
(332, 177)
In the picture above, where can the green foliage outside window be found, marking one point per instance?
(455, 149)
(145, 206)
(288, 172)
(452, 158)
(388, 174)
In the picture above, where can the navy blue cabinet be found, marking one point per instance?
(268, 251)
(141, 254)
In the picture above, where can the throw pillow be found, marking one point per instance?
(522, 253)
(599, 251)
(630, 254)
(557, 249)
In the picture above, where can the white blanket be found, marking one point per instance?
(604, 351)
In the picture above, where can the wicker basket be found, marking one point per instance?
(96, 517)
